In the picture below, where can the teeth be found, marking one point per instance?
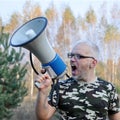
(72, 65)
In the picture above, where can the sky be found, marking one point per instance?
(7, 7)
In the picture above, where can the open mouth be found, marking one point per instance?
(73, 67)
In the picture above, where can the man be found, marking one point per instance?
(83, 96)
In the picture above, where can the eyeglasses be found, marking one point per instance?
(78, 56)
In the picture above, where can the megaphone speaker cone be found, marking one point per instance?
(28, 31)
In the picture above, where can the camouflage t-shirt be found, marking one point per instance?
(87, 101)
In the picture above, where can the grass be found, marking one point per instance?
(26, 111)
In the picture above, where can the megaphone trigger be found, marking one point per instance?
(37, 84)
(43, 71)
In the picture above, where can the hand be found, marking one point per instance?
(43, 81)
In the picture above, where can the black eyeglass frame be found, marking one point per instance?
(78, 56)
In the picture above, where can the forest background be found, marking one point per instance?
(62, 31)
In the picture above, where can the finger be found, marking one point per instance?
(40, 80)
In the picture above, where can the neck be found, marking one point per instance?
(91, 77)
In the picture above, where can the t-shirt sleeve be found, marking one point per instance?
(114, 105)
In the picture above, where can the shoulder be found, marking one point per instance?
(107, 85)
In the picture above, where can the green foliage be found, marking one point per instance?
(12, 73)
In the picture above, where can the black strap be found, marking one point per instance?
(31, 61)
(54, 93)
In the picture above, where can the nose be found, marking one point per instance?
(72, 58)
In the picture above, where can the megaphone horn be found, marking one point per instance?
(31, 36)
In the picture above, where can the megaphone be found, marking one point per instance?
(32, 36)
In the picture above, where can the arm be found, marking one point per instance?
(115, 116)
(43, 110)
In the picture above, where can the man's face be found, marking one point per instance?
(81, 66)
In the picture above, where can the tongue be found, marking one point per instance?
(73, 72)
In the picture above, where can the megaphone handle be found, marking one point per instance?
(31, 61)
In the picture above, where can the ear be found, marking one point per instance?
(93, 63)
